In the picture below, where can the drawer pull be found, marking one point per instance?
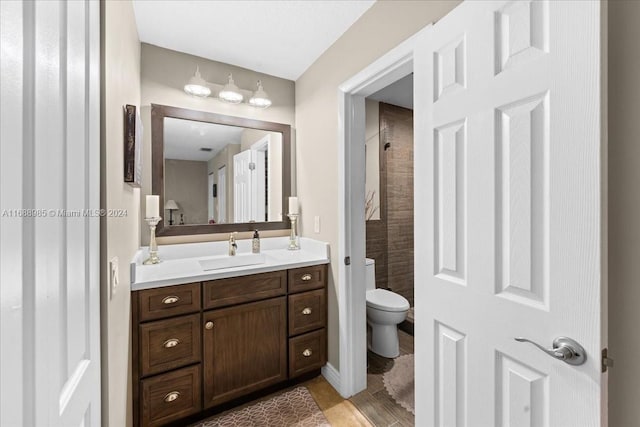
(208, 325)
(171, 343)
(307, 352)
(171, 396)
(170, 299)
(306, 311)
(306, 277)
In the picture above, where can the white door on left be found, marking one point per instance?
(49, 202)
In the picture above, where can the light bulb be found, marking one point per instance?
(260, 98)
(197, 86)
(230, 92)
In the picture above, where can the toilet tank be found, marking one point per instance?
(370, 274)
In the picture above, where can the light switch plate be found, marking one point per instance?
(113, 275)
(316, 224)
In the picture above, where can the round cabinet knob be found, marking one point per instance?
(208, 325)
(171, 396)
(171, 343)
(306, 311)
(170, 300)
(307, 352)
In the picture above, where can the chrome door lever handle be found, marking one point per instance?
(564, 349)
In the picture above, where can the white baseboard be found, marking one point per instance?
(332, 376)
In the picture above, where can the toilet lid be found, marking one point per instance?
(385, 300)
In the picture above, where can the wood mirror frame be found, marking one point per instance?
(158, 114)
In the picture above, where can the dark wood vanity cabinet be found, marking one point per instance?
(199, 345)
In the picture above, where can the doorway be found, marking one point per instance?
(389, 243)
(390, 68)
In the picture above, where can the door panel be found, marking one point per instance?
(508, 121)
(450, 362)
(244, 349)
(450, 233)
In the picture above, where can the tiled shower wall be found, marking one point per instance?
(390, 240)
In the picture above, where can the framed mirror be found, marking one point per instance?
(217, 174)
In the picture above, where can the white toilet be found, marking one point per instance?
(385, 310)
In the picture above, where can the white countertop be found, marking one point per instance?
(180, 263)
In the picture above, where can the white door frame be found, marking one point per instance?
(210, 201)
(222, 195)
(392, 66)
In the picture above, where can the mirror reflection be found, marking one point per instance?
(220, 174)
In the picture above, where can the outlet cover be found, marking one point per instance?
(316, 224)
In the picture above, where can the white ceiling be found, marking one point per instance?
(281, 38)
(399, 93)
(184, 138)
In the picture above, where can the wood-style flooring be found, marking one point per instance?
(338, 411)
(375, 402)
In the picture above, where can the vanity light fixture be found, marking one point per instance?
(260, 98)
(197, 86)
(231, 93)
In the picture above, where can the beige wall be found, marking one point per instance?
(120, 237)
(186, 182)
(624, 212)
(163, 75)
(372, 161)
(380, 29)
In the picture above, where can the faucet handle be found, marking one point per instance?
(232, 243)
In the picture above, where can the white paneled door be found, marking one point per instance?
(49, 206)
(242, 188)
(509, 199)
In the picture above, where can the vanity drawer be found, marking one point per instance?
(307, 311)
(169, 344)
(168, 301)
(307, 352)
(169, 397)
(235, 290)
(307, 278)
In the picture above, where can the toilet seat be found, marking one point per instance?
(382, 299)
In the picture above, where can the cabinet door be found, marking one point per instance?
(245, 349)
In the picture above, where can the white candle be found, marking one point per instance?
(293, 205)
(153, 206)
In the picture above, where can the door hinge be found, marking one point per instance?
(347, 260)
(607, 362)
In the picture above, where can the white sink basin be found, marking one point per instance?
(226, 261)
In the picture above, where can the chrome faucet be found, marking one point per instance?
(233, 246)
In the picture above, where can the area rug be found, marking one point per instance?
(399, 382)
(292, 408)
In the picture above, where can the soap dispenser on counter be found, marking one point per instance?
(255, 243)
